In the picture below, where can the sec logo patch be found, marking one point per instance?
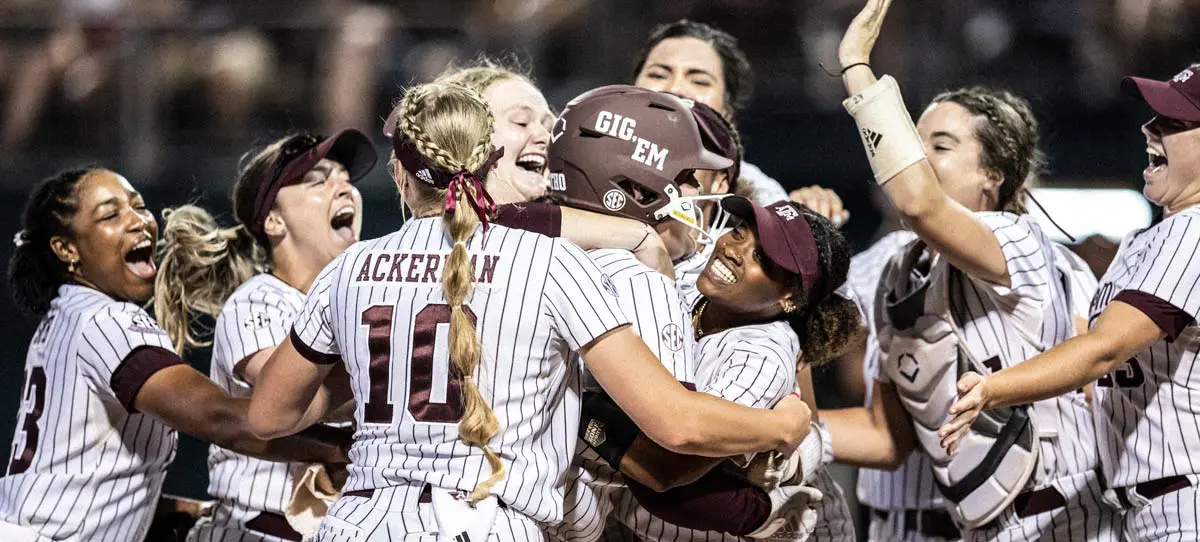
(671, 336)
(257, 320)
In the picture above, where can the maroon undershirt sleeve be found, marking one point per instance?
(319, 358)
(718, 501)
(137, 367)
(1169, 318)
(543, 218)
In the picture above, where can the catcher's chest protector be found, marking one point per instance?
(924, 356)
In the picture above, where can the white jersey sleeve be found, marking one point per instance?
(1169, 273)
(655, 307)
(1079, 282)
(107, 340)
(752, 365)
(253, 322)
(312, 332)
(574, 278)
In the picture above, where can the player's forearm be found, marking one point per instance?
(317, 444)
(1060, 370)
(660, 469)
(859, 440)
(591, 230)
(714, 427)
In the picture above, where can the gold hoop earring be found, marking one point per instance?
(71, 266)
(788, 306)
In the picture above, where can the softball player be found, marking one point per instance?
(996, 277)
(1142, 342)
(769, 279)
(297, 209)
(496, 427)
(104, 392)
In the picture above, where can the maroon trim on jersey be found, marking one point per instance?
(319, 358)
(137, 367)
(543, 218)
(1169, 318)
(718, 501)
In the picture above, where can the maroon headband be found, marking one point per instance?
(350, 148)
(469, 182)
(785, 237)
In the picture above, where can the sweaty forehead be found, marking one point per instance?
(103, 186)
(684, 54)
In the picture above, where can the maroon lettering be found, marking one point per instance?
(362, 273)
(432, 261)
(35, 391)
(489, 269)
(396, 275)
(414, 267)
(376, 275)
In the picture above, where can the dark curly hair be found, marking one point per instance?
(827, 322)
(1008, 135)
(739, 78)
(35, 272)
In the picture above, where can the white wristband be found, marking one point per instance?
(888, 134)
(816, 451)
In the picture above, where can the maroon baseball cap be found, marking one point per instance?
(784, 235)
(350, 148)
(1178, 98)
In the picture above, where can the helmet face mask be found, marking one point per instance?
(686, 209)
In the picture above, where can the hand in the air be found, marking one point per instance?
(823, 201)
(972, 397)
(860, 36)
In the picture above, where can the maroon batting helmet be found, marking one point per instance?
(623, 150)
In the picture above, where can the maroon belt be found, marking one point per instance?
(1032, 503)
(274, 525)
(426, 494)
(1152, 489)
(931, 523)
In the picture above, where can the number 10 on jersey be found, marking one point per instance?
(434, 383)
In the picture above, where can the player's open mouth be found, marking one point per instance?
(1157, 163)
(721, 272)
(140, 259)
(343, 223)
(532, 162)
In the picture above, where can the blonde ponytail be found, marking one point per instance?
(451, 126)
(201, 264)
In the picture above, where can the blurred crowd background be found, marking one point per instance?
(172, 92)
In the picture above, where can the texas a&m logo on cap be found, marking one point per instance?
(787, 212)
(1183, 76)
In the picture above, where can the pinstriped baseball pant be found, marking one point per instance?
(1085, 517)
(1173, 516)
(395, 514)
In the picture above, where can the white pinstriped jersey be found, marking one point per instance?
(257, 316)
(84, 466)
(660, 319)
(752, 365)
(380, 306)
(1147, 413)
(1008, 325)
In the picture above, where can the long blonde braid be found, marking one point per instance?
(451, 126)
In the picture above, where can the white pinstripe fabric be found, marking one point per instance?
(98, 469)
(536, 300)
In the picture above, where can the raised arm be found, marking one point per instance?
(589, 231)
(897, 157)
(288, 396)
(684, 421)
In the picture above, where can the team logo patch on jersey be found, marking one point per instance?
(614, 200)
(671, 337)
(257, 320)
(142, 323)
(609, 286)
